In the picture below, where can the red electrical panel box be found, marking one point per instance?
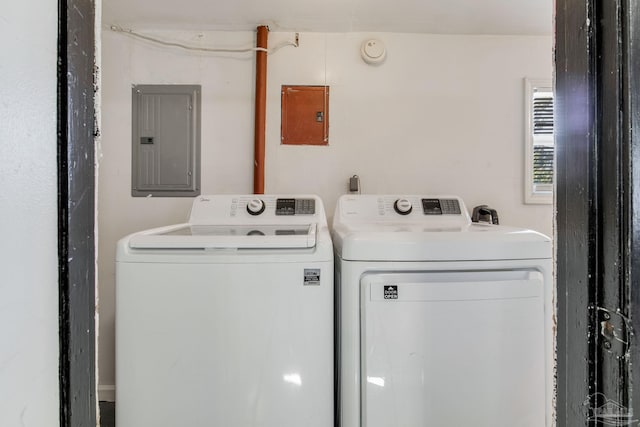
(305, 115)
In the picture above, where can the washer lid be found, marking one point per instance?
(198, 236)
(475, 242)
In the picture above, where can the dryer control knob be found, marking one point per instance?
(255, 207)
(403, 206)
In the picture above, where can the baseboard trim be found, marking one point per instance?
(107, 393)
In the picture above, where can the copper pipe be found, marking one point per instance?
(260, 109)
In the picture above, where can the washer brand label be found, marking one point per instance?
(391, 292)
(311, 277)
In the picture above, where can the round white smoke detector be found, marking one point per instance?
(373, 51)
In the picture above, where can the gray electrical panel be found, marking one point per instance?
(165, 140)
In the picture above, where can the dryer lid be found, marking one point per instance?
(476, 242)
(425, 228)
(198, 236)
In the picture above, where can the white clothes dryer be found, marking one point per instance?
(441, 322)
(227, 320)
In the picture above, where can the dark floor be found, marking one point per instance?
(107, 414)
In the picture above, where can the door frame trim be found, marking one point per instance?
(76, 212)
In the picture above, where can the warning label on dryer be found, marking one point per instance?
(311, 277)
(391, 292)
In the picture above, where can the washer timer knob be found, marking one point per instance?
(403, 206)
(255, 207)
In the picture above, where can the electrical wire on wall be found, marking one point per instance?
(135, 34)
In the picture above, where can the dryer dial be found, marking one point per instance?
(255, 207)
(403, 206)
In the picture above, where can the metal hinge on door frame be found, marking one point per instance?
(615, 331)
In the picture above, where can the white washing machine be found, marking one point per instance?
(442, 322)
(227, 320)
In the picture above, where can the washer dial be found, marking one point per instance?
(255, 207)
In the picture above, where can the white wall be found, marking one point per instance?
(443, 114)
(28, 214)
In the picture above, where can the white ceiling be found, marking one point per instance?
(523, 17)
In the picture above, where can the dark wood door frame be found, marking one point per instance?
(598, 207)
(76, 212)
(598, 199)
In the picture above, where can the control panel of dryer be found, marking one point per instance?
(403, 206)
(400, 208)
(441, 206)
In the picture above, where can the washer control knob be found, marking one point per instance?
(255, 207)
(403, 206)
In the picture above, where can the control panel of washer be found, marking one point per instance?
(295, 206)
(283, 206)
(257, 209)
